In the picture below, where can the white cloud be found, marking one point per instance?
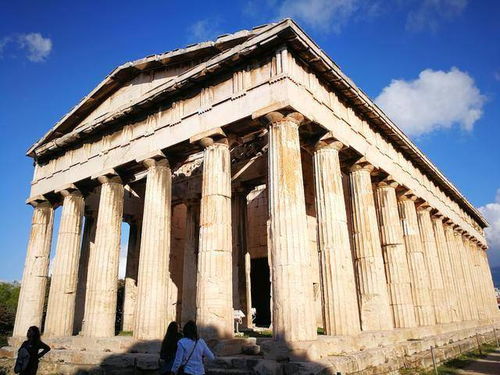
(491, 212)
(320, 14)
(430, 13)
(203, 30)
(37, 46)
(435, 100)
(496, 74)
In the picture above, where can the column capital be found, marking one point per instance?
(210, 137)
(276, 117)
(206, 142)
(407, 195)
(107, 176)
(362, 164)
(328, 143)
(69, 189)
(388, 181)
(424, 207)
(39, 201)
(152, 163)
(153, 159)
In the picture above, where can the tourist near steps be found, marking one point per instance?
(255, 177)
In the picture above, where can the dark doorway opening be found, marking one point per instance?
(261, 291)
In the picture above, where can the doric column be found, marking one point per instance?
(476, 287)
(36, 268)
(465, 280)
(190, 264)
(430, 252)
(214, 299)
(446, 269)
(394, 253)
(100, 306)
(368, 260)
(240, 249)
(491, 295)
(468, 273)
(293, 317)
(153, 312)
(340, 303)
(61, 305)
(88, 241)
(131, 271)
(480, 284)
(457, 274)
(419, 277)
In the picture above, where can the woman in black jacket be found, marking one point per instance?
(33, 345)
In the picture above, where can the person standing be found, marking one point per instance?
(190, 352)
(169, 348)
(33, 345)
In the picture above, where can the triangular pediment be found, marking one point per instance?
(129, 82)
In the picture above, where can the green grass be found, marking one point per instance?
(125, 333)
(3, 340)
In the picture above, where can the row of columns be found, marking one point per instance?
(407, 267)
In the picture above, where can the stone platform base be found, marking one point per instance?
(367, 353)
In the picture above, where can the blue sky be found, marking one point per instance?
(433, 65)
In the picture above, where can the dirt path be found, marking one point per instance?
(485, 366)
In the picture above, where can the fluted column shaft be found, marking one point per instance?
(491, 295)
(457, 273)
(340, 304)
(456, 255)
(477, 288)
(419, 277)
(469, 279)
(482, 285)
(431, 256)
(368, 261)
(214, 299)
(100, 306)
(88, 241)
(36, 268)
(62, 295)
(131, 271)
(446, 269)
(153, 312)
(293, 317)
(394, 253)
(190, 261)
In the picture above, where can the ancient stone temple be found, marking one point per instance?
(253, 175)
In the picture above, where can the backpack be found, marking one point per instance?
(22, 360)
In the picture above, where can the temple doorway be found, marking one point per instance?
(261, 291)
